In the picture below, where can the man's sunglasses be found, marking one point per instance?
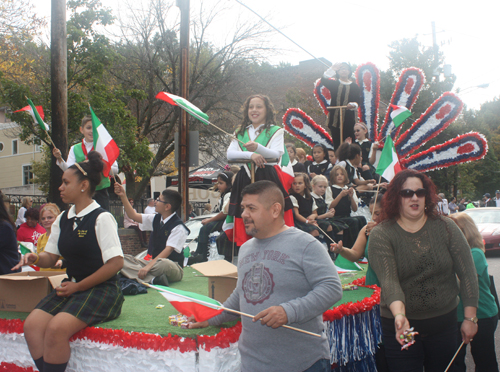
(407, 193)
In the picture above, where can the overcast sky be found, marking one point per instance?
(360, 31)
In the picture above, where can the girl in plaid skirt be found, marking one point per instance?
(87, 237)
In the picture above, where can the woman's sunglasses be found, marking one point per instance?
(407, 193)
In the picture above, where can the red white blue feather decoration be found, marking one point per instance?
(368, 79)
(433, 121)
(405, 94)
(323, 96)
(465, 148)
(303, 127)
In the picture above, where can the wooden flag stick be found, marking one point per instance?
(341, 124)
(284, 325)
(454, 356)
(375, 202)
(50, 138)
(329, 237)
(223, 131)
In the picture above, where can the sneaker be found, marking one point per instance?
(161, 280)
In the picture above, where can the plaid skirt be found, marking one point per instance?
(95, 305)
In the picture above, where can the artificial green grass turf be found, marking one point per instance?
(139, 313)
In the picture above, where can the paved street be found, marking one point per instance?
(493, 269)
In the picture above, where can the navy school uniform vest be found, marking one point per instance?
(350, 172)
(365, 151)
(305, 205)
(159, 237)
(321, 204)
(79, 247)
(321, 168)
(343, 208)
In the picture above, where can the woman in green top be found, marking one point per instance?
(417, 256)
(360, 247)
(483, 346)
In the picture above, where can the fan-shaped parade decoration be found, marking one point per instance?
(302, 126)
(405, 94)
(433, 121)
(465, 148)
(323, 96)
(443, 111)
(368, 79)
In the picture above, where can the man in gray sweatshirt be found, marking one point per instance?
(285, 276)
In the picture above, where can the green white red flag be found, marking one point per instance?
(399, 114)
(184, 104)
(388, 164)
(36, 113)
(25, 250)
(104, 144)
(190, 303)
(343, 265)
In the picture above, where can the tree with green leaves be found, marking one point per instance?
(90, 56)
(150, 62)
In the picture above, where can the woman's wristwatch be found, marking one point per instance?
(473, 320)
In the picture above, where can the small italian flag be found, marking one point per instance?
(343, 265)
(25, 250)
(36, 113)
(184, 104)
(388, 164)
(399, 114)
(189, 303)
(104, 144)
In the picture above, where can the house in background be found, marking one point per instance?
(16, 176)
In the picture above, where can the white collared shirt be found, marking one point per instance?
(343, 164)
(106, 230)
(328, 196)
(177, 236)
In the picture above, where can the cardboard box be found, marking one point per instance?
(222, 276)
(23, 291)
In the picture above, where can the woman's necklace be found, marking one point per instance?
(414, 228)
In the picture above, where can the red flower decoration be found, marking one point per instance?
(354, 308)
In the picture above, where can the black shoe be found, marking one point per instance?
(197, 259)
(161, 280)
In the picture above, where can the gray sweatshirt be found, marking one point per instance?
(294, 270)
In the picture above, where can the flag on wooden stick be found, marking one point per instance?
(388, 164)
(36, 113)
(104, 143)
(184, 104)
(190, 303)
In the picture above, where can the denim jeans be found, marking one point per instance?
(322, 365)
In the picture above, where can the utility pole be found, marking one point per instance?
(436, 51)
(59, 94)
(184, 125)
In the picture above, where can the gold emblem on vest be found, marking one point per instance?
(82, 233)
